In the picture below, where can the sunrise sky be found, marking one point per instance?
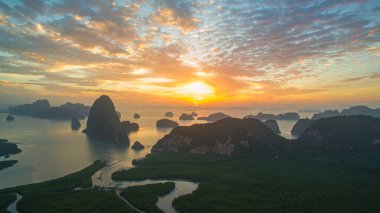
(193, 52)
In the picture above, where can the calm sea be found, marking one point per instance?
(50, 149)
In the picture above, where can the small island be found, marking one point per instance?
(169, 114)
(10, 118)
(214, 117)
(166, 123)
(7, 149)
(75, 124)
(137, 146)
(186, 117)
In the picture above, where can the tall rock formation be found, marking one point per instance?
(103, 122)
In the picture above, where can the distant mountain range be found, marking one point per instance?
(43, 109)
(355, 110)
(304, 124)
(285, 116)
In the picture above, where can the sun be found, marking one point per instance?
(196, 92)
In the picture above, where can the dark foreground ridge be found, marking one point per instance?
(342, 134)
(226, 137)
(235, 136)
(301, 126)
(273, 125)
(333, 167)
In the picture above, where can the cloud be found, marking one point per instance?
(261, 48)
(360, 78)
(177, 13)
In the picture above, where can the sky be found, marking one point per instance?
(210, 53)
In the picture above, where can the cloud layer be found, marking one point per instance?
(247, 51)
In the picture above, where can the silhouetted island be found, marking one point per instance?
(10, 118)
(361, 110)
(301, 126)
(185, 117)
(285, 116)
(214, 117)
(30, 109)
(273, 125)
(137, 146)
(57, 113)
(355, 110)
(136, 116)
(103, 122)
(80, 109)
(225, 137)
(194, 114)
(75, 124)
(169, 114)
(42, 109)
(326, 114)
(129, 126)
(166, 123)
(7, 148)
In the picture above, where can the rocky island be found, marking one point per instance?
(166, 123)
(10, 118)
(186, 117)
(7, 149)
(103, 122)
(355, 110)
(273, 125)
(285, 116)
(225, 137)
(130, 126)
(137, 146)
(75, 124)
(326, 114)
(169, 114)
(43, 109)
(214, 117)
(301, 126)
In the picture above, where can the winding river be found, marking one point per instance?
(13, 206)
(103, 178)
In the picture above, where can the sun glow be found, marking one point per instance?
(196, 92)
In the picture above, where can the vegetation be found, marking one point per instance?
(229, 136)
(5, 200)
(73, 201)
(7, 163)
(81, 179)
(71, 193)
(8, 149)
(345, 183)
(342, 134)
(145, 197)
